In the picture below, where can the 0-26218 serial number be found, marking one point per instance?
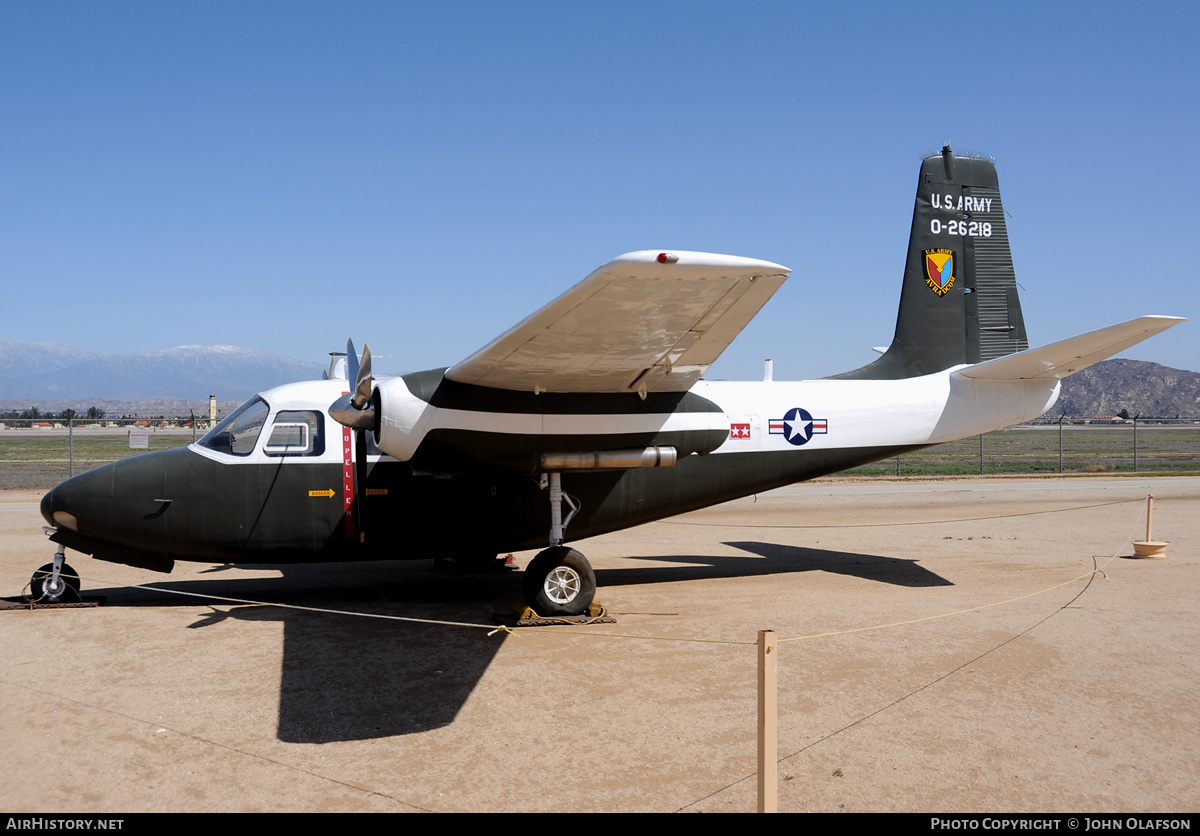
(971, 229)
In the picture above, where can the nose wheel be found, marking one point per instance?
(56, 582)
(559, 581)
(51, 586)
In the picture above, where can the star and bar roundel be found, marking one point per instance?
(797, 426)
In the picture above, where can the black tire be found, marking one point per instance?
(67, 591)
(559, 581)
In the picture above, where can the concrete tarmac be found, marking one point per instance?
(1012, 679)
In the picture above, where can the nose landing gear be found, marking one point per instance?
(56, 582)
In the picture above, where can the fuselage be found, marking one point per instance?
(275, 482)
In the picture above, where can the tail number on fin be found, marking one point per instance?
(969, 229)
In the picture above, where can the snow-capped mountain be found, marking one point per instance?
(50, 371)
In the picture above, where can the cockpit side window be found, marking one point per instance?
(238, 433)
(296, 433)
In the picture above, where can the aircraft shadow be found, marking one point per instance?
(349, 678)
(346, 678)
(774, 559)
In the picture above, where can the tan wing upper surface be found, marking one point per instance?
(637, 324)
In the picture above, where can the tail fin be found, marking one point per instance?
(959, 300)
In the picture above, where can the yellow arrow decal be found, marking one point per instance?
(325, 494)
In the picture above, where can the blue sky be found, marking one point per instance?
(421, 177)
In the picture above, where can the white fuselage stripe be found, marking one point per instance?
(841, 413)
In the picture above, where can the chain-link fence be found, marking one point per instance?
(1160, 447)
(39, 453)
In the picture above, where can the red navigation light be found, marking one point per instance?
(667, 258)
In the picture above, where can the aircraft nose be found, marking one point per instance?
(48, 507)
(86, 496)
(141, 503)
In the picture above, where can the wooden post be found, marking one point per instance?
(1149, 547)
(768, 723)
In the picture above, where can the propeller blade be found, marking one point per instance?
(355, 409)
(351, 361)
(362, 380)
(360, 476)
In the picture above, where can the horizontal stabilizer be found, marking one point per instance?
(1066, 357)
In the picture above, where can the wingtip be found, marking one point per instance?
(684, 259)
(1157, 323)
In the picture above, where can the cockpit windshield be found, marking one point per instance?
(239, 431)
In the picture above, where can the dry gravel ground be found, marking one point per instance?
(1081, 698)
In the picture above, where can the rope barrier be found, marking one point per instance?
(493, 629)
(910, 522)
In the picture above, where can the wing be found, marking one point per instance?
(1065, 357)
(644, 322)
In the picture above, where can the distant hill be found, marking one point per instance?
(1134, 385)
(55, 377)
(53, 372)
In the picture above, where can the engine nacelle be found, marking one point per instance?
(458, 422)
(401, 418)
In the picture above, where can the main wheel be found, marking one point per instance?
(559, 581)
(65, 591)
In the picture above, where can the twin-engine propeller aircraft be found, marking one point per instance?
(590, 416)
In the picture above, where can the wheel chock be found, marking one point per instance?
(596, 614)
(23, 603)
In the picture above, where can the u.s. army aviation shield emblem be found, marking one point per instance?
(939, 270)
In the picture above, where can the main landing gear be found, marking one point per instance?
(559, 581)
(55, 583)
